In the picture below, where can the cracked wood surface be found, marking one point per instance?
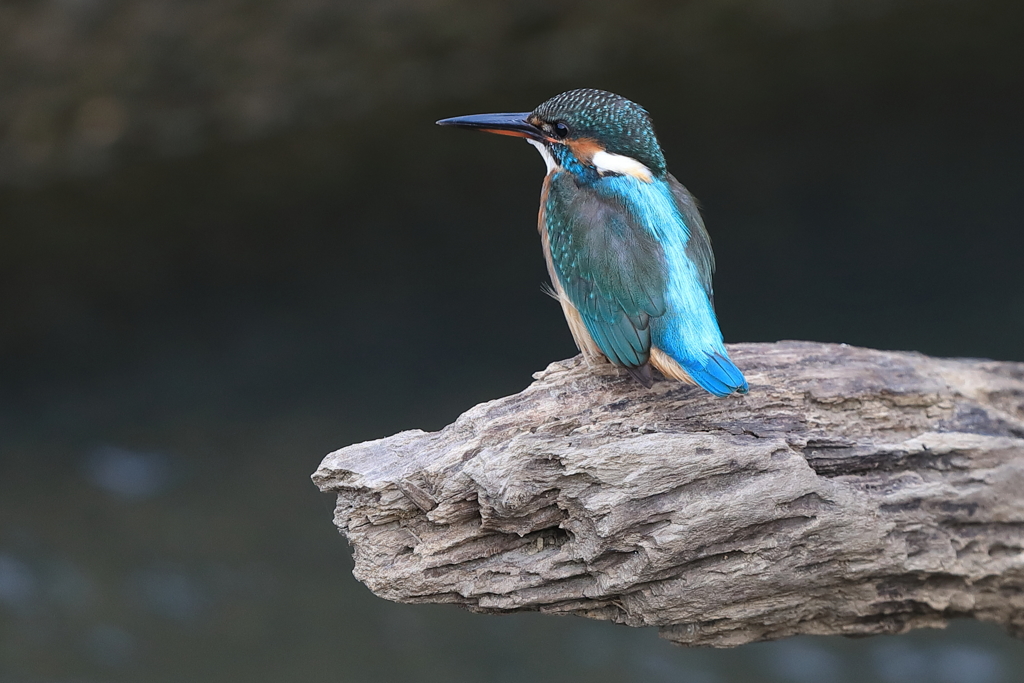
(851, 492)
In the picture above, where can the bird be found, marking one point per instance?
(626, 249)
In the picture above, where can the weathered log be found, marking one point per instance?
(851, 492)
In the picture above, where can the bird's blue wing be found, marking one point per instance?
(698, 246)
(709, 367)
(612, 269)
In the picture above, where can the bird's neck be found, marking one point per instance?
(589, 163)
(582, 169)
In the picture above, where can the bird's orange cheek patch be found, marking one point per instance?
(584, 149)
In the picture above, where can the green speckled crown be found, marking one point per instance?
(621, 126)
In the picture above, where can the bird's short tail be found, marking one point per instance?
(718, 375)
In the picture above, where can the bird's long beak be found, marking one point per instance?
(502, 124)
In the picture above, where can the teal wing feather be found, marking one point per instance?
(610, 267)
(698, 247)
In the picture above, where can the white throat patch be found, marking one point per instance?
(549, 161)
(606, 162)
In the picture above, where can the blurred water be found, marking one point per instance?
(17, 584)
(184, 338)
(127, 474)
(804, 661)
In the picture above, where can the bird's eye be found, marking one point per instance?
(561, 130)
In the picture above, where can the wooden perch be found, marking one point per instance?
(851, 492)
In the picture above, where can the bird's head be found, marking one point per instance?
(591, 133)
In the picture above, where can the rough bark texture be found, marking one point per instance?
(852, 491)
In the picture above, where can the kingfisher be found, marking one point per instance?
(626, 249)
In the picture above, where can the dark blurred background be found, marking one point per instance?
(232, 240)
